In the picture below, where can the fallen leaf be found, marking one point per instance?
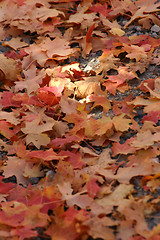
(80, 199)
(14, 167)
(9, 67)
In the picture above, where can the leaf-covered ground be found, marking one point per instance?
(79, 120)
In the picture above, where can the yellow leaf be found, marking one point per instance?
(117, 31)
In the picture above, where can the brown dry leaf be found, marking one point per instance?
(58, 48)
(135, 52)
(125, 230)
(43, 13)
(38, 140)
(37, 123)
(80, 17)
(15, 166)
(15, 43)
(104, 126)
(140, 101)
(135, 213)
(60, 129)
(105, 159)
(35, 54)
(68, 105)
(121, 7)
(141, 165)
(87, 86)
(114, 27)
(99, 229)
(2, 33)
(99, 101)
(151, 5)
(32, 80)
(138, 14)
(120, 123)
(146, 22)
(107, 62)
(11, 117)
(117, 197)
(146, 8)
(29, 85)
(155, 106)
(80, 199)
(143, 140)
(32, 170)
(9, 67)
(157, 85)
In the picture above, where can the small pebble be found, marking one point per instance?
(154, 35)
(124, 22)
(155, 28)
(33, 180)
(72, 59)
(132, 28)
(50, 174)
(138, 33)
(138, 28)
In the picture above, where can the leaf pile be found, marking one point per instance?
(68, 172)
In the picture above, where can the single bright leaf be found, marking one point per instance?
(120, 123)
(56, 88)
(99, 101)
(117, 31)
(79, 120)
(47, 97)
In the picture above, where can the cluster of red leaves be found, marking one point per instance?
(49, 131)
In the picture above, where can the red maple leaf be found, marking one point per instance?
(153, 116)
(5, 187)
(74, 158)
(92, 187)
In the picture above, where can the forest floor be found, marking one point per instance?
(80, 120)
